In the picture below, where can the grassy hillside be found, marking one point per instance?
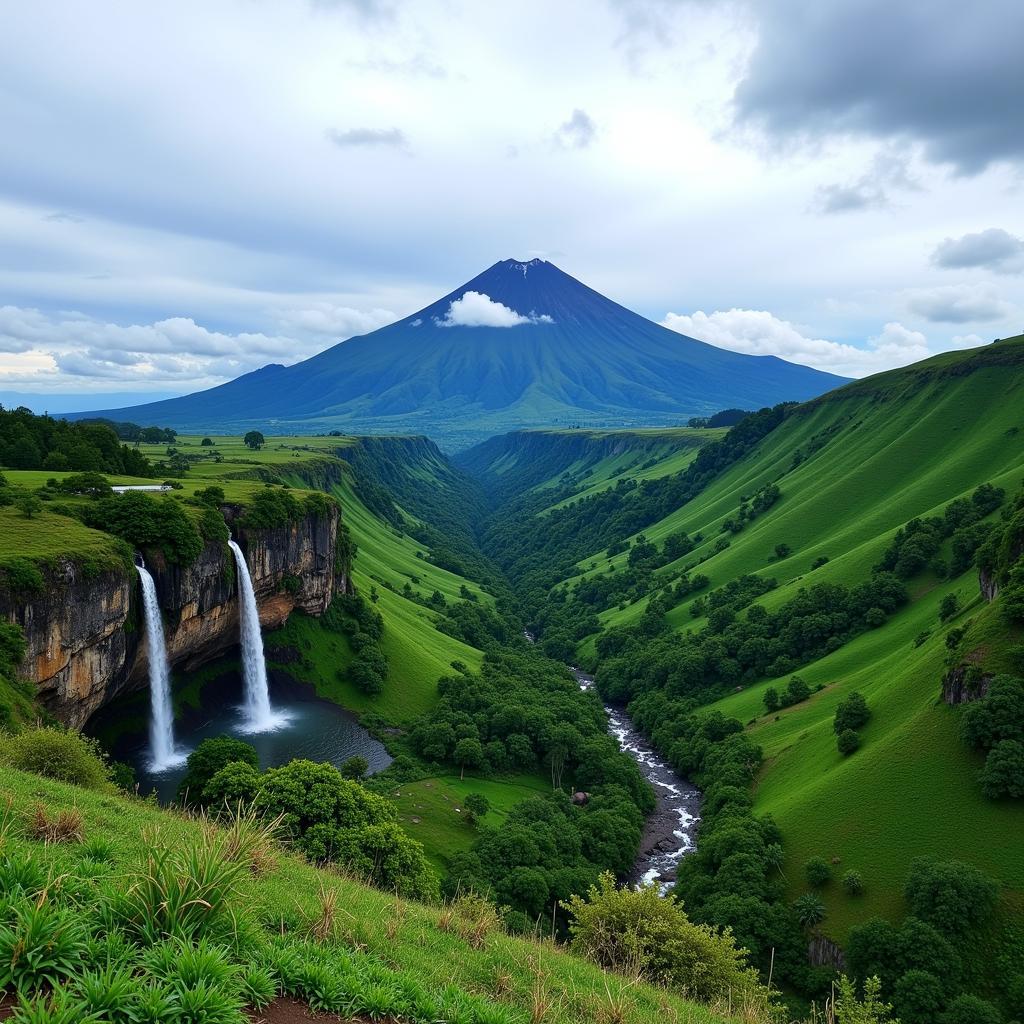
(477, 973)
(852, 468)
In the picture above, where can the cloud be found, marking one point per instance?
(889, 170)
(935, 72)
(958, 304)
(994, 248)
(760, 333)
(336, 321)
(417, 66)
(578, 132)
(176, 348)
(61, 217)
(372, 138)
(475, 309)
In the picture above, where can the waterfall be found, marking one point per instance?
(256, 707)
(161, 723)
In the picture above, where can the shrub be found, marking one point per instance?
(967, 1009)
(809, 909)
(148, 522)
(58, 754)
(847, 742)
(28, 505)
(918, 997)
(21, 577)
(852, 713)
(771, 700)
(874, 617)
(818, 872)
(950, 895)
(476, 805)
(853, 883)
(797, 690)
(636, 930)
(948, 607)
(1003, 774)
(355, 768)
(207, 759)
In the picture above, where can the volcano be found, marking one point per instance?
(521, 345)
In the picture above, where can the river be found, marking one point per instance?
(670, 832)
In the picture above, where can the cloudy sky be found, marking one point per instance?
(190, 190)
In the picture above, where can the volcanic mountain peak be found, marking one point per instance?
(522, 344)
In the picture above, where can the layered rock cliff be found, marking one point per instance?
(83, 632)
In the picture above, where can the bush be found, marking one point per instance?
(809, 909)
(21, 577)
(818, 872)
(355, 768)
(967, 1009)
(58, 754)
(1003, 774)
(847, 742)
(948, 607)
(147, 522)
(852, 713)
(950, 895)
(207, 760)
(636, 930)
(918, 997)
(853, 883)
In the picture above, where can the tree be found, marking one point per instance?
(1003, 774)
(771, 700)
(951, 895)
(818, 872)
(476, 805)
(853, 883)
(207, 442)
(918, 997)
(968, 1009)
(948, 607)
(355, 768)
(852, 713)
(28, 505)
(848, 742)
(209, 758)
(797, 690)
(469, 753)
(254, 440)
(809, 910)
(782, 551)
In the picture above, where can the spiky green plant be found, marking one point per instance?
(258, 986)
(208, 1004)
(110, 993)
(42, 944)
(155, 1003)
(60, 1007)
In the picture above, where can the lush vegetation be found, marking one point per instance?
(28, 441)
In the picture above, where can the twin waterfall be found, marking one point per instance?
(257, 714)
(256, 709)
(161, 722)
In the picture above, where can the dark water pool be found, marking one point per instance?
(315, 729)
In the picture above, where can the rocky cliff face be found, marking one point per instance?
(84, 636)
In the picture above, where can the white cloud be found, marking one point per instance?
(958, 304)
(758, 332)
(994, 248)
(337, 321)
(578, 132)
(475, 309)
(57, 346)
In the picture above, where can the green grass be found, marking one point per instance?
(47, 536)
(422, 943)
(900, 446)
(431, 809)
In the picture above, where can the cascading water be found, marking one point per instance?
(163, 753)
(259, 717)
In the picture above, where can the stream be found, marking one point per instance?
(671, 830)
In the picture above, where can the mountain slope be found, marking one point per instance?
(522, 344)
(852, 468)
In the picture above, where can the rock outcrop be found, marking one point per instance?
(83, 633)
(964, 683)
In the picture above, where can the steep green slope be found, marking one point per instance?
(851, 469)
(467, 965)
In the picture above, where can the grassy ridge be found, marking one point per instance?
(853, 467)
